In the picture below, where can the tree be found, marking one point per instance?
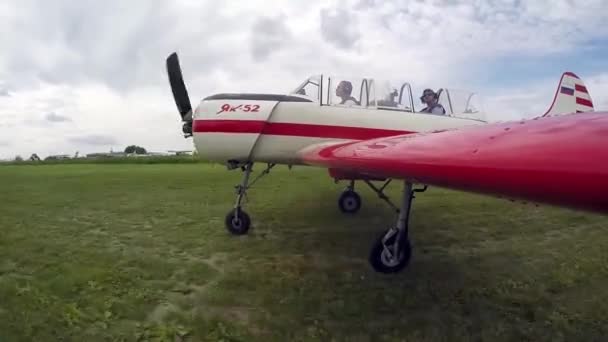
(135, 149)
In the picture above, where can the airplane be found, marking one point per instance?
(557, 158)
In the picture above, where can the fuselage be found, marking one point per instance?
(273, 128)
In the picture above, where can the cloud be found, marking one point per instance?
(79, 41)
(534, 98)
(268, 35)
(598, 88)
(339, 27)
(102, 64)
(54, 117)
(95, 140)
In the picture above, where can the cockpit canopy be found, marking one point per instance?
(461, 103)
(383, 95)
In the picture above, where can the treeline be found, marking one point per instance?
(180, 159)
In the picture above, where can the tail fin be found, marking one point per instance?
(571, 96)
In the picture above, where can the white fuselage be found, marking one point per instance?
(274, 131)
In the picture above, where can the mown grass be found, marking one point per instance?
(139, 252)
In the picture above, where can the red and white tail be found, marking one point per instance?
(571, 96)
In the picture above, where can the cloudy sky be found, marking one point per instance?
(89, 76)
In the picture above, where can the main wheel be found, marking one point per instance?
(237, 224)
(349, 202)
(383, 261)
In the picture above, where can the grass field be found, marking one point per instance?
(139, 252)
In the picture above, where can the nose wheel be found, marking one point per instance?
(237, 221)
(350, 201)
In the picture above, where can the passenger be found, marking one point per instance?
(343, 91)
(430, 98)
(389, 101)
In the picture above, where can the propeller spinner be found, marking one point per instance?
(180, 93)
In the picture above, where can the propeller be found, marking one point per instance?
(180, 93)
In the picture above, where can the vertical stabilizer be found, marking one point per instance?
(571, 96)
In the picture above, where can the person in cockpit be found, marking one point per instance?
(389, 100)
(430, 98)
(343, 91)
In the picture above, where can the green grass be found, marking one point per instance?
(139, 252)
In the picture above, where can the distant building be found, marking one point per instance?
(181, 152)
(106, 155)
(58, 157)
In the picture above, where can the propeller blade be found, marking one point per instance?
(180, 93)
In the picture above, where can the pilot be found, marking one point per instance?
(430, 98)
(343, 91)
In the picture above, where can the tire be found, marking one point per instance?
(380, 261)
(237, 225)
(349, 202)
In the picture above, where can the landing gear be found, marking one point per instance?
(350, 201)
(392, 251)
(237, 220)
(380, 192)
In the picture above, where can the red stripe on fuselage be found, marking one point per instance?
(292, 129)
(584, 102)
(227, 126)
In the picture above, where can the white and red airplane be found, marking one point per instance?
(559, 158)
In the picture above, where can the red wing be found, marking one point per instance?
(556, 160)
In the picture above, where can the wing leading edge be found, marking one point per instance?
(561, 160)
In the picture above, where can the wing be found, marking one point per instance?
(560, 160)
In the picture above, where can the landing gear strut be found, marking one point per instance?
(380, 192)
(392, 251)
(237, 220)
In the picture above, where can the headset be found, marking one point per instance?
(425, 92)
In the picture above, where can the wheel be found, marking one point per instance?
(237, 225)
(381, 260)
(349, 202)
